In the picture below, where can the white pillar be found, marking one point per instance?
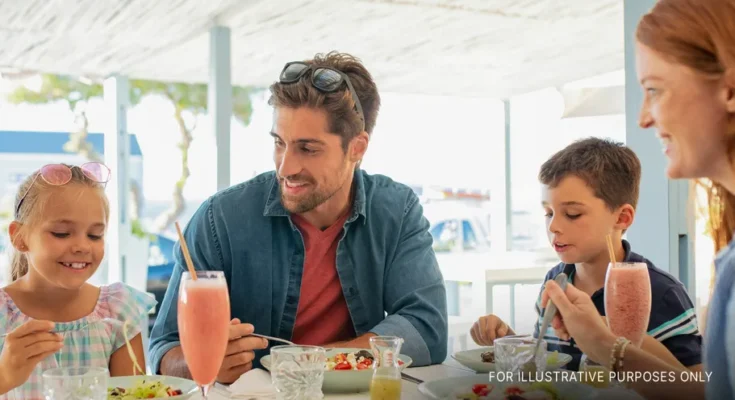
(508, 192)
(663, 230)
(220, 99)
(500, 189)
(117, 155)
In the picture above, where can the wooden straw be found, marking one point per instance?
(185, 250)
(611, 249)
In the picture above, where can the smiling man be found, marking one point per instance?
(318, 251)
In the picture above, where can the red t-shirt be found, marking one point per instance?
(322, 316)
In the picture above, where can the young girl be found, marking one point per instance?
(51, 315)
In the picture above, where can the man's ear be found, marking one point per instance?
(358, 146)
(16, 239)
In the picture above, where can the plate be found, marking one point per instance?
(447, 389)
(345, 381)
(188, 387)
(472, 360)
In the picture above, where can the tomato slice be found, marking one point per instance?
(342, 366)
(476, 389)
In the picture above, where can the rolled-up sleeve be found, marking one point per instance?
(205, 254)
(414, 294)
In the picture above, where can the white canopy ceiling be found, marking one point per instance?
(488, 48)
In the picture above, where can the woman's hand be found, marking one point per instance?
(578, 318)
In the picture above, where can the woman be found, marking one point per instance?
(685, 59)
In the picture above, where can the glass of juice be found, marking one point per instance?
(628, 300)
(386, 382)
(297, 372)
(204, 320)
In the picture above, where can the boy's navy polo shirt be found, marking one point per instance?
(673, 319)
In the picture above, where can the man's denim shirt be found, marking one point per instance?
(385, 263)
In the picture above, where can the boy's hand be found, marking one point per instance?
(24, 348)
(489, 328)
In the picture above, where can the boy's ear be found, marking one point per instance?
(626, 215)
(16, 238)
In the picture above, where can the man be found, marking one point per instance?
(318, 251)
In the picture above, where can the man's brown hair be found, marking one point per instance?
(609, 168)
(342, 116)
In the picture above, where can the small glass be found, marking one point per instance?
(595, 375)
(515, 355)
(297, 372)
(85, 383)
(386, 382)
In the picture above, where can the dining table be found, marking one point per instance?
(409, 390)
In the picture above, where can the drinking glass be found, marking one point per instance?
(204, 321)
(628, 300)
(84, 383)
(516, 355)
(297, 372)
(596, 375)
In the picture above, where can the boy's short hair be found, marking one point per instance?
(609, 168)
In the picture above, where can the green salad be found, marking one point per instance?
(143, 389)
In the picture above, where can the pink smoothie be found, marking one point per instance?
(628, 301)
(204, 319)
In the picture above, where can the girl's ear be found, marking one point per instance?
(16, 238)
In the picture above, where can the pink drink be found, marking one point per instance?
(204, 319)
(628, 300)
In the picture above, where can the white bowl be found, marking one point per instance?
(345, 381)
(188, 387)
(472, 360)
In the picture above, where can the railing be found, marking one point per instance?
(504, 272)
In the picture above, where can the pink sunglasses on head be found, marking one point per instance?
(60, 174)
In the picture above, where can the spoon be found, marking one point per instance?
(561, 280)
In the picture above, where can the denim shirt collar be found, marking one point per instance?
(274, 207)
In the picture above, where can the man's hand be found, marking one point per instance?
(240, 351)
(489, 328)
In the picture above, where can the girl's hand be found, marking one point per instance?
(24, 348)
(578, 317)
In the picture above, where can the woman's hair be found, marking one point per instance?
(700, 34)
(35, 200)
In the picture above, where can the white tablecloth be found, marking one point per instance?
(409, 390)
(448, 369)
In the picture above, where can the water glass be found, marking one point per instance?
(297, 372)
(82, 383)
(515, 355)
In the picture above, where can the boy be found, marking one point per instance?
(590, 190)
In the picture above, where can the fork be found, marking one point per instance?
(273, 339)
(83, 327)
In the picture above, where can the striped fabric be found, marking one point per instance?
(673, 321)
(89, 341)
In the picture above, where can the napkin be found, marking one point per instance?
(254, 384)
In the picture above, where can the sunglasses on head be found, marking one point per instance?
(60, 174)
(325, 79)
